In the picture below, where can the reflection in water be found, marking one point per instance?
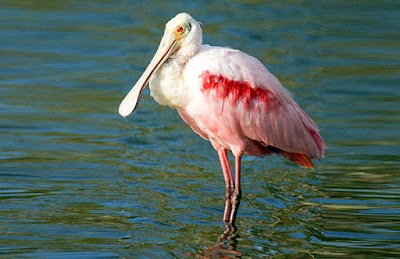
(226, 246)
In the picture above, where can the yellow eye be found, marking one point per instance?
(180, 29)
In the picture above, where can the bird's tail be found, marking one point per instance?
(298, 158)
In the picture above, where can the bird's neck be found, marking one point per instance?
(167, 85)
(182, 55)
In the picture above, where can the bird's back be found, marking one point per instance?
(238, 104)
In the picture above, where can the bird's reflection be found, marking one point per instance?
(226, 246)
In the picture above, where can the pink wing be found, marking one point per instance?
(241, 106)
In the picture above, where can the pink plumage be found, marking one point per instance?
(230, 99)
(251, 113)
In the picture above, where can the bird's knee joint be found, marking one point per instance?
(236, 196)
(229, 191)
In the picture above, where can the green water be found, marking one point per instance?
(79, 181)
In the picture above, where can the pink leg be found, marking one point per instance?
(236, 194)
(229, 185)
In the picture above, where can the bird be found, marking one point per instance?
(230, 99)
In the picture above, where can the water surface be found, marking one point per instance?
(77, 180)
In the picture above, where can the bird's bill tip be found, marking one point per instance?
(123, 111)
(131, 100)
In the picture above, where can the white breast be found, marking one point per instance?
(167, 86)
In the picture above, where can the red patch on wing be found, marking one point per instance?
(236, 91)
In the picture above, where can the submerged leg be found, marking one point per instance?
(229, 185)
(236, 194)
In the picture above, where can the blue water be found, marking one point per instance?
(79, 181)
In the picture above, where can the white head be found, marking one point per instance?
(187, 32)
(181, 40)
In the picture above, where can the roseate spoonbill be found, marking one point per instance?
(230, 99)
